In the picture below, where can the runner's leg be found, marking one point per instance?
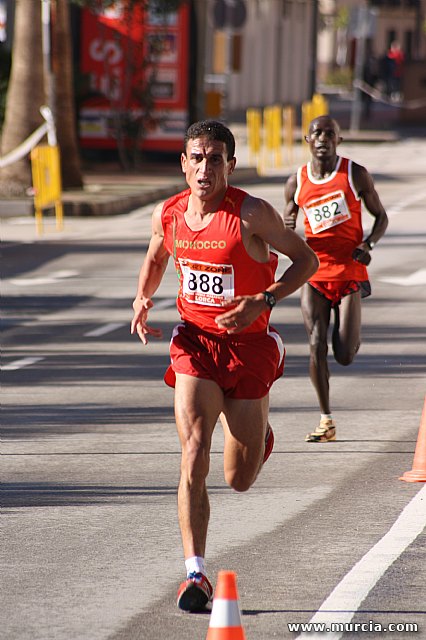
(244, 424)
(198, 404)
(347, 328)
(316, 316)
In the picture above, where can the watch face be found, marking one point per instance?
(270, 299)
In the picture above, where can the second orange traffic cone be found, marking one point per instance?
(418, 472)
(225, 619)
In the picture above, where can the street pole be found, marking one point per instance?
(199, 36)
(314, 41)
(49, 91)
(360, 39)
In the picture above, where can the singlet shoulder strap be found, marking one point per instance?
(300, 175)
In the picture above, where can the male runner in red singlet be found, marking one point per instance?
(224, 354)
(330, 190)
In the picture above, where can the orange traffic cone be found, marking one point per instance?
(225, 619)
(418, 472)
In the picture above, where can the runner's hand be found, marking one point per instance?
(362, 254)
(290, 220)
(139, 325)
(244, 311)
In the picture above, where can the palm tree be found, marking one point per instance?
(26, 92)
(24, 96)
(64, 92)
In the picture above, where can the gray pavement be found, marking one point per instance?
(90, 454)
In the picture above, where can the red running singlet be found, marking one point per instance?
(333, 224)
(213, 264)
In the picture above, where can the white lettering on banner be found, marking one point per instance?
(109, 83)
(206, 283)
(105, 50)
(327, 211)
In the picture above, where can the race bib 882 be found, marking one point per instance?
(206, 283)
(327, 211)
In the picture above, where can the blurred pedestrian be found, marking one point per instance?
(396, 58)
(224, 354)
(330, 189)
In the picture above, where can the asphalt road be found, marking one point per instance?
(91, 546)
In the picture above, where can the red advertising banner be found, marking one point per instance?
(130, 57)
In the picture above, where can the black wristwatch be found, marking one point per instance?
(370, 244)
(269, 299)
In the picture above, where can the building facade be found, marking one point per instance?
(388, 21)
(263, 53)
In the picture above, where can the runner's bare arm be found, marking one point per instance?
(262, 222)
(364, 185)
(150, 277)
(291, 209)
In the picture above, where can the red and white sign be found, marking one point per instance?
(122, 51)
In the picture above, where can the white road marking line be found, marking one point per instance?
(404, 204)
(20, 364)
(53, 278)
(65, 273)
(344, 601)
(413, 280)
(105, 328)
(164, 304)
(112, 326)
(32, 282)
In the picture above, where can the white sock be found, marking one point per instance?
(326, 416)
(196, 564)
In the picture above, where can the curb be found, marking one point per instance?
(89, 205)
(100, 201)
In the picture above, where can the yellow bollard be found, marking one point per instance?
(320, 105)
(307, 116)
(276, 123)
(289, 122)
(267, 135)
(273, 132)
(254, 134)
(46, 173)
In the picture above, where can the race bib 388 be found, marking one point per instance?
(206, 283)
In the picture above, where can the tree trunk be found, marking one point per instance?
(25, 95)
(65, 105)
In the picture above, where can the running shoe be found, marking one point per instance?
(269, 443)
(325, 432)
(194, 593)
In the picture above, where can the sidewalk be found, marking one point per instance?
(108, 190)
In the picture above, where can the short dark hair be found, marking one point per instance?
(213, 130)
(333, 122)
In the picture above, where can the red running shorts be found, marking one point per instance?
(335, 290)
(243, 365)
